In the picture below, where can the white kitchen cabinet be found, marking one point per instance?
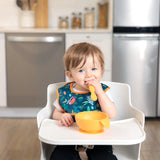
(102, 40)
(3, 99)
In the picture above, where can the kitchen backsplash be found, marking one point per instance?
(9, 11)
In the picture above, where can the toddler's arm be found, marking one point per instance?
(106, 104)
(64, 118)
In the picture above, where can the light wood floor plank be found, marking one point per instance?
(19, 139)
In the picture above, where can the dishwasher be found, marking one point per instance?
(33, 61)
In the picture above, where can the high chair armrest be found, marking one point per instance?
(138, 114)
(44, 113)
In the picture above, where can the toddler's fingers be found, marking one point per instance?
(69, 121)
(65, 122)
(60, 124)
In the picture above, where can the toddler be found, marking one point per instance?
(84, 65)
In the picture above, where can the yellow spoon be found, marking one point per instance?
(93, 95)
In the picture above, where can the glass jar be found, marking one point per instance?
(63, 22)
(89, 18)
(103, 9)
(76, 20)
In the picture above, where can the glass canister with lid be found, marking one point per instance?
(103, 9)
(63, 22)
(89, 18)
(76, 20)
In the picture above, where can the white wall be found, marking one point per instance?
(9, 11)
(66, 7)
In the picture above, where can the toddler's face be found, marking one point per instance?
(91, 70)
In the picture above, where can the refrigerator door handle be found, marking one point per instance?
(137, 36)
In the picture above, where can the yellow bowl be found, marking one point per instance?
(92, 122)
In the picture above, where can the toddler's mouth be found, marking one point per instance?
(88, 79)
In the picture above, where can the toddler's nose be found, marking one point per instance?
(88, 74)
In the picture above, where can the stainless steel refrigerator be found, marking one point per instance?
(158, 108)
(135, 50)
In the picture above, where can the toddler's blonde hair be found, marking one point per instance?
(79, 52)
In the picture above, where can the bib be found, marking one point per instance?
(74, 102)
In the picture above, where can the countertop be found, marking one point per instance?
(52, 30)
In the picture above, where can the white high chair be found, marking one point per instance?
(130, 150)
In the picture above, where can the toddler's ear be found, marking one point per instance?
(69, 75)
(102, 70)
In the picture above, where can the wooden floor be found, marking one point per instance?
(19, 140)
(151, 146)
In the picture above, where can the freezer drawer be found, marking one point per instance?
(135, 63)
(136, 13)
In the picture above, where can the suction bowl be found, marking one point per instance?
(92, 122)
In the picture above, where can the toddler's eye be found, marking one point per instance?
(93, 69)
(81, 70)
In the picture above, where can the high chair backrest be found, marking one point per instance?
(122, 98)
(51, 93)
(47, 111)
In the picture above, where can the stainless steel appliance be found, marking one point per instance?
(136, 13)
(33, 61)
(158, 108)
(135, 50)
(135, 59)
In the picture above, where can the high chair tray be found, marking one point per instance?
(123, 132)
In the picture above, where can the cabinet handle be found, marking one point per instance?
(35, 39)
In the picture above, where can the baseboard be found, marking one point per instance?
(10, 112)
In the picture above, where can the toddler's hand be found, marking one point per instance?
(66, 120)
(96, 84)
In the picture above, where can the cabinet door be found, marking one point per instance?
(3, 99)
(103, 41)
